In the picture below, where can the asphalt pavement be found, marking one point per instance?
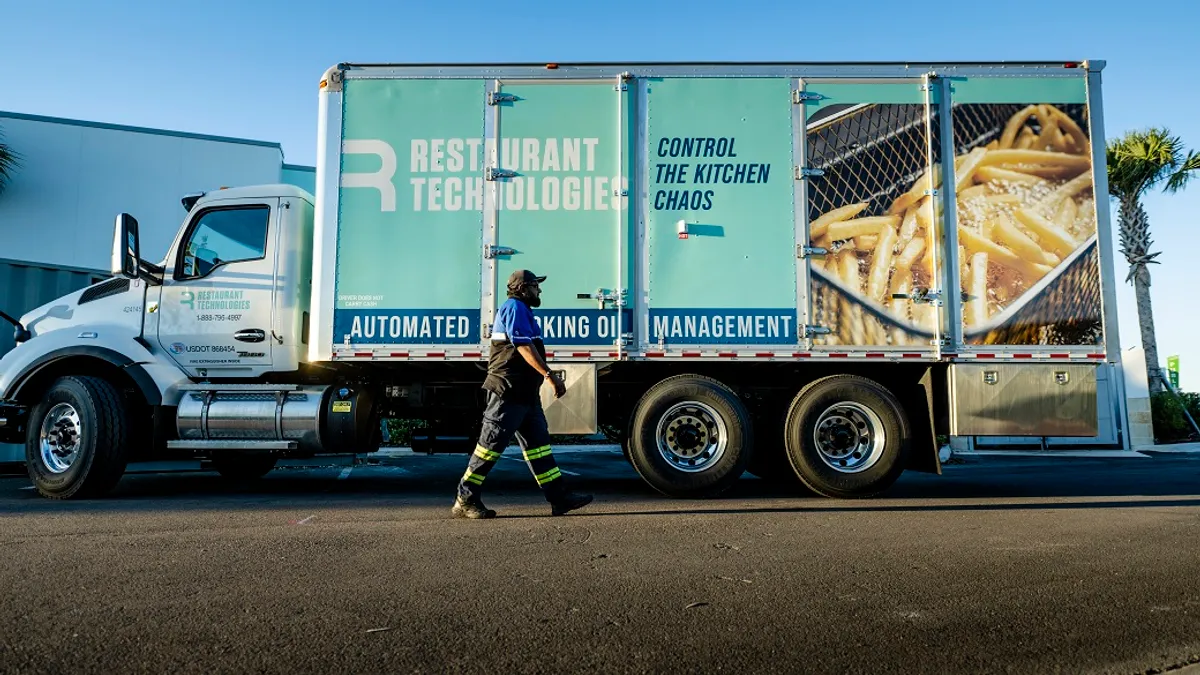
(1018, 564)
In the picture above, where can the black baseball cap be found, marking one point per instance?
(520, 277)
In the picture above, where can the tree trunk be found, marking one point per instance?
(1141, 290)
(1135, 244)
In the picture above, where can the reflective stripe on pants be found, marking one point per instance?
(502, 421)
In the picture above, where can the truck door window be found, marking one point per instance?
(222, 236)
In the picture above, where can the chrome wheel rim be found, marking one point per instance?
(59, 437)
(849, 437)
(692, 436)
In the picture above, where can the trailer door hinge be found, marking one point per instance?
(492, 173)
(803, 251)
(602, 296)
(491, 252)
(800, 96)
(813, 331)
(498, 97)
(805, 172)
(485, 331)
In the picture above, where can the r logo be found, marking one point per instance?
(188, 299)
(380, 180)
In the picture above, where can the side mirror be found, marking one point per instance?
(126, 253)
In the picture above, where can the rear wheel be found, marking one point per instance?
(690, 437)
(239, 465)
(847, 436)
(78, 439)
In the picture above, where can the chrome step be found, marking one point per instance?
(232, 444)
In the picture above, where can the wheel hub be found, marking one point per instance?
(691, 436)
(849, 437)
(59, 438)
(688, 436)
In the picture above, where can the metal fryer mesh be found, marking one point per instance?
(870, 153)
(874, 153)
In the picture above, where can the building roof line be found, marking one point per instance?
(139, 130)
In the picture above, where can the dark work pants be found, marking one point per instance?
(503, 419)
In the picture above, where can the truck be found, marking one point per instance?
(813, 272)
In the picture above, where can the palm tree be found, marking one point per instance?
(8, 162)
(1139, 162)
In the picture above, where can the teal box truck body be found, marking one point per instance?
(806, 269)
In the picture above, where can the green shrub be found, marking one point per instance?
(400, 431)
(1170, 424)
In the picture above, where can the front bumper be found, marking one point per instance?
(13, 419)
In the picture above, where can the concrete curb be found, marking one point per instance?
(1181, 448)
(1054, 454)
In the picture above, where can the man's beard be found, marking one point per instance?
(526, 296)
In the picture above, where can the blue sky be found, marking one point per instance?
(250, 69)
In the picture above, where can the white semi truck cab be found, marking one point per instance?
(751, 267)
(118, 363)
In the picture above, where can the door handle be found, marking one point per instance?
(250, 335)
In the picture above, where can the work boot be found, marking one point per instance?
(569, 502)
(473, 509)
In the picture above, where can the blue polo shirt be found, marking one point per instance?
(515, 324)
(509, 375)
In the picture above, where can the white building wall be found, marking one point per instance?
(303, 177)
(75, 177)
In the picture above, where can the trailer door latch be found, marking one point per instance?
(919, 295)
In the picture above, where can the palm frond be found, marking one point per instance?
(1141, 160)
(9, 160)
(1179, 179)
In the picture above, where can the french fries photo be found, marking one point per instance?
(1024, 205)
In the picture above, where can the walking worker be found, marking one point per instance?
(516, 372)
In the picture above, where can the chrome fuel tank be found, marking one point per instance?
(254, 413)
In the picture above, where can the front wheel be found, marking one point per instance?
(847, 436)
(690, 437)
(78, 439)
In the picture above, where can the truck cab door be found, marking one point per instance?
(215, 316)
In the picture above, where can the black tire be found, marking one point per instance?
(238, 465)
(661, 400)
(807, 461)
(99, 437)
